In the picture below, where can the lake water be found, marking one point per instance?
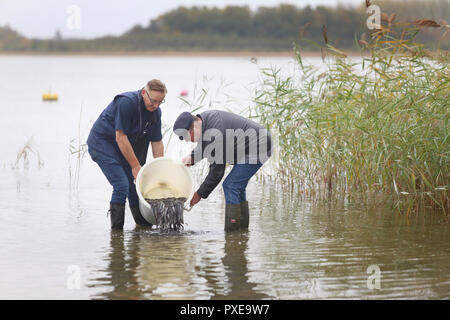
(55, 239)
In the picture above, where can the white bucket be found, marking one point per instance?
(162, 178)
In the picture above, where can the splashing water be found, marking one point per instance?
(168, 212)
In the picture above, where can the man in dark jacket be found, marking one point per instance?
(224, 137)
(119, 142)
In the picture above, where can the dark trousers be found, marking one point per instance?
(119, 176)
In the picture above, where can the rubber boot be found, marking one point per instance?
(245, 217)
(117, 214)
(232, 216)
(138, 218)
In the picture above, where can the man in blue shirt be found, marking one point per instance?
(119, 142)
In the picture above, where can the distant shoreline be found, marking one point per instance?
(250, 54)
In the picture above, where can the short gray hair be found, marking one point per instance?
(156, 85)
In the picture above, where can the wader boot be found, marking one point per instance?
(117, 214)
(245, 217)
(138, 218)
(232, 216)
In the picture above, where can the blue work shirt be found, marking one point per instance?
(128, 113)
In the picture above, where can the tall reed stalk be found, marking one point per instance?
(77, 150)
(378, 125)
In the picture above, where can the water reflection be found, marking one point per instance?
(235, 262)
(293, 250)
(119, 278)
(333, 245)
(177, 265)
(168, 265)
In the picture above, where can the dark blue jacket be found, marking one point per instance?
(126, 112)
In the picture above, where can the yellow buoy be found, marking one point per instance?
(50, 97)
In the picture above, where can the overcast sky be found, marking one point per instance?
(41, 19)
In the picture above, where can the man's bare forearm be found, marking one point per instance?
(157, 149)
(126, 149)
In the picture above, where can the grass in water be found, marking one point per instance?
(375, 126)
(24, 155)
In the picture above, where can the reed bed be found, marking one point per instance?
(375, 127)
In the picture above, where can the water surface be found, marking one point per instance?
(55, 237)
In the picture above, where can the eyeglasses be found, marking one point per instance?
(153, 102)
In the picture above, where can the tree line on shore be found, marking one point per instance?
(237, 28)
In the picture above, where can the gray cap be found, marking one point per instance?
(182, 124)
